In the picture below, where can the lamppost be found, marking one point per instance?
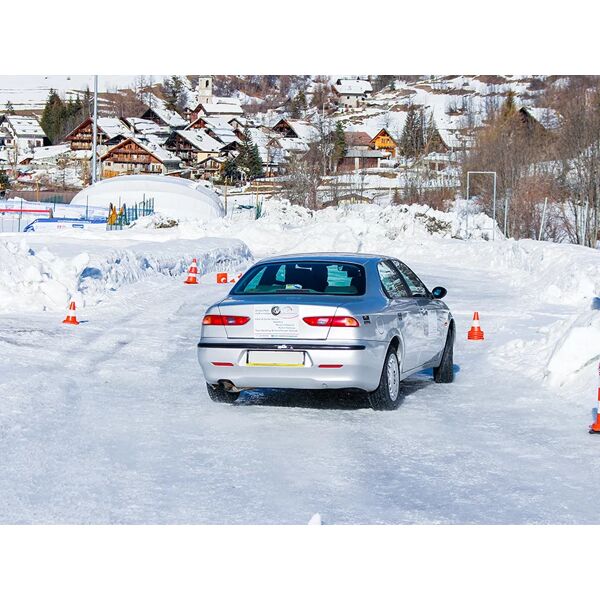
(469, 173)
(95, 133)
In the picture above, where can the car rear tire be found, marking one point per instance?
(387, 395)
(445, 372)
(219, 394)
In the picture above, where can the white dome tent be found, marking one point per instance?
(173, 196)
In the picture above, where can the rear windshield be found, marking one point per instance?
(303, 277)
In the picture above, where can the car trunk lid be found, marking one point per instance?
(274, 317)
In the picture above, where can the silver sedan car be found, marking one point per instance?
(326, 321)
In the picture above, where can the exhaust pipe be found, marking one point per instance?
(229, 387)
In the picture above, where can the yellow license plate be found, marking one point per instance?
(276, 358)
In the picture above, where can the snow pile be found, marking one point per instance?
(576, 354)
(45, 280)
(287, 228)
(35, 281)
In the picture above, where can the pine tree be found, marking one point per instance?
(410, 133)
(298, 105)
(256, 163)
(509, 107)
(339, 143)
(53, 116)
(231, 173)
(249, 159)
(175, 93)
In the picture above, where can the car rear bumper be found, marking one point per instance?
(361, 363)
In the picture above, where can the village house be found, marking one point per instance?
(358, 140)
(193, 145)
(216, 106)
(385, 142)
(218, 128)
(211, 166)
(21, 134)
(110, 131)
(351, 93)
(294, 128)
(145, 129)
(218, 110)
(356, 159)
(161, 115)
(133, 157)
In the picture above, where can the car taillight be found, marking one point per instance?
(224, 320)
(331, 321)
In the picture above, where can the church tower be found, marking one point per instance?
(205, 89)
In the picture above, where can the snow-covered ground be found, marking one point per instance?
(109, 422)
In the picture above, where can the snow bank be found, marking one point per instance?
(575, 356)
(173, 196)
(47, 280)
(560, 273)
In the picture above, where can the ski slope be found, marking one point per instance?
(109, 422)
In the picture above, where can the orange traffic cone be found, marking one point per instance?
(192, 272)
(71, 319)
(222, 278)
(475, 333)
(595, 427)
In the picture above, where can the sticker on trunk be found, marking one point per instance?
(276, 321)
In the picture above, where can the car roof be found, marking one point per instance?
(354, 257)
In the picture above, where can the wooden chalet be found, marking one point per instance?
(193, 145)
(165, 117)
(134, 157)
(385, 142)
(211, 166)
(216, 109)
(284, 128)
(109, 130)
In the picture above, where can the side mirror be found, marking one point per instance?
(439, 292)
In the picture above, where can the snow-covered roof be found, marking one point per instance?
(547, 117)
(112, 126)
(226, 100)
(25, 126)
(352, 87)
(159, 152)
(292, 144)
(168, 116)
(221, 108)
(303, 130)
(48, 152)
(200, 139)
(146, 126)
(221, 129)
(218, 159)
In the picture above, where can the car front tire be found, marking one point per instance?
(387, 395)
(445, 372)
(219, 394)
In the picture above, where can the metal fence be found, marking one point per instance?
(125, 215)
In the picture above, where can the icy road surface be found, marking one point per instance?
(109, 422)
